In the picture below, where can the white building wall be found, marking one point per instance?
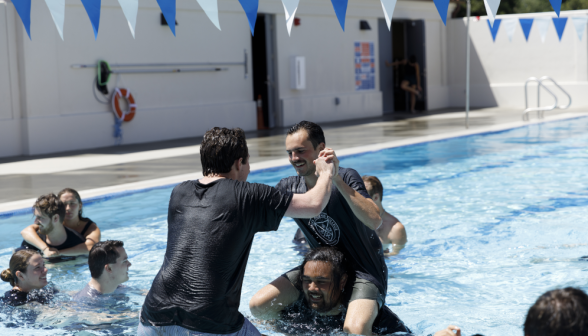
(11, 132)
(46, 106)
(499, 69)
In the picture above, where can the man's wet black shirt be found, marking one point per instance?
(210, 232)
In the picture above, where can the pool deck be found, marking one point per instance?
(104, 171)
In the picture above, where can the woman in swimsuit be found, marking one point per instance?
(27, 273)
(85, 228)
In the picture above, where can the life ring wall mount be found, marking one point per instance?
(129, 114)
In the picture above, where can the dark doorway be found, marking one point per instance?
(408, 38)
(264, 74)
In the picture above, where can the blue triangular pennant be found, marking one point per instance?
(556, 4)
(560, 25)
(340, 7)
(168, 8)
(494, 29)
(526, 24)
(23, 8)
(442, 6)
(250, 7)
(93, 9)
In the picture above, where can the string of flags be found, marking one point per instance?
(130, 9)
(541, 23)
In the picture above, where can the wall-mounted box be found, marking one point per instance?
(298, 73)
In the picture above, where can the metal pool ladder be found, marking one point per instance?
(539, 109)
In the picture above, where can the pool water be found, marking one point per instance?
(493, 221)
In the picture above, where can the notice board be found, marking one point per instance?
(365, 66)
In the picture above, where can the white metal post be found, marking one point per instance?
(468, 66)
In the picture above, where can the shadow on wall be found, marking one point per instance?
(481, 94)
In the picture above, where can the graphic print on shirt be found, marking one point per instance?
(326, 228)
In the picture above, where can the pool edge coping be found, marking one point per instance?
(9, 209)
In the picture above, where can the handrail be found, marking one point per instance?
(541, 110)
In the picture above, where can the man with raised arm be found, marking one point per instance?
(211, 224)
(392, 233)
(348, 222)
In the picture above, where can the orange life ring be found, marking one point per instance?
(124, 93)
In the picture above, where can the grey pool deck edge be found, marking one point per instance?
(10, 209)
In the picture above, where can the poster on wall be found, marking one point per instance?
(365, 66)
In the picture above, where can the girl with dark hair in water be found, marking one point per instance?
(74, 220)
(27, 273)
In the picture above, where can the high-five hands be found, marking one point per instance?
(329, 154)
(323, 166)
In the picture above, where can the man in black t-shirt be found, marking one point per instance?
(325, 285)
(211, 224)
(348, 222)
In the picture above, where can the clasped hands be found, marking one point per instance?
(327, 162)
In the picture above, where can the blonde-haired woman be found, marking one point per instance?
(27, 272)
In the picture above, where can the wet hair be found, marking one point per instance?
(376, 186)
(558, 312)
(77, 196)
(314, 131)
(50, 205)
(102, 254)
(220, 148)
(412, 59)
(18, 262)
(329, 255)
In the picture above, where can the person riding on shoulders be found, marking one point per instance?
(82, 232)
(26, 274)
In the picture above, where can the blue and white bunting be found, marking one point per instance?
(290, 8)
(23, 8)
(542, 24)
(491, 9)
(509, 26)
(388, 7)
(93, 9)
(340, 7)
(580, 25)
(526, 24)
(168, 8)
(494, 28)
(250, 7)
(210, 8)
(57, 10)
(560, 25)
(556, 4)
(130, 9)
(442, 6)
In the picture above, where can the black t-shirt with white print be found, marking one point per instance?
(210, 232)
(338, 226)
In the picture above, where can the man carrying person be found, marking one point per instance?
(109, 267)
(326, 287)
(56, 238)
(391, 232)
(348, 222)
(211, 225)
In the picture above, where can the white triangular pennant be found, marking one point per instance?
(130, 9)
(290, 8)
(509, 26)
(542, 24)
(57, 9)
(210, 7)
(388, 7)
(491, 9)
(580, 25)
